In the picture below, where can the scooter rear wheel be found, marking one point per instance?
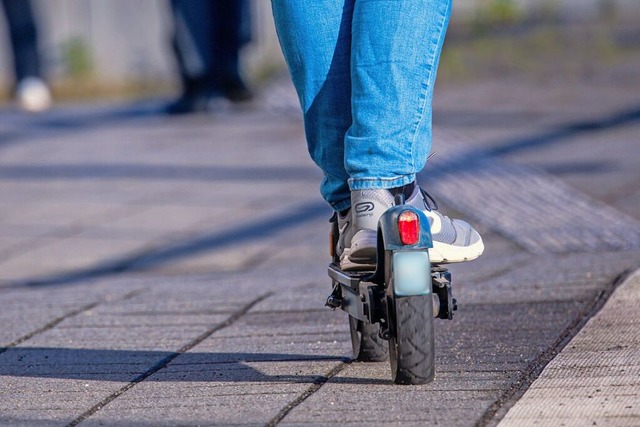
(412, 345)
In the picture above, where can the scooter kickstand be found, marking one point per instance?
(335, 299)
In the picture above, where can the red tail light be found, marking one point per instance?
(409, 228)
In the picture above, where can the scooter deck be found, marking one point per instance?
(351, 278)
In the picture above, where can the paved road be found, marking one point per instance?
(171, 271)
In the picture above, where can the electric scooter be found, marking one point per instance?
(392, 308)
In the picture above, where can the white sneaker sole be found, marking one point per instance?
(442, 253)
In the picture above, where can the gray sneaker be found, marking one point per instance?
(453, 240)
(343, 246)
(367, 206)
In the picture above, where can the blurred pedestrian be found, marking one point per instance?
(207, 39)
(30, 91)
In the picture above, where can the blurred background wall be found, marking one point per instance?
(94, 47)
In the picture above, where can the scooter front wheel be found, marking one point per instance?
(366, 342)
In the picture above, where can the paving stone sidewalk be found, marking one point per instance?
(172, 271)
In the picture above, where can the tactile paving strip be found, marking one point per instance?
(529, 206)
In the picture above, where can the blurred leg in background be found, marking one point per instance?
(31, 92)
(207, 39)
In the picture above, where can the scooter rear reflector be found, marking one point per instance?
(409, 228)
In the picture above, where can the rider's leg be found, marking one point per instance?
(315, 37)
(365, 72)
(395, 52)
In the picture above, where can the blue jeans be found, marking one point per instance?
(364, 71)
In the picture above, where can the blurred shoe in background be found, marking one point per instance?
(33, 95)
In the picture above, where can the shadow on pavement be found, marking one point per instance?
(105, 171)
(621, 118)
(587, 168)
(63, 119)
(159, 366)
(474, 157)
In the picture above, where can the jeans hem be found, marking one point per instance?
(380, 183)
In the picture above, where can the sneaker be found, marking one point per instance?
(234, 89)
(343, 250)
(33, 95)
(453, 240)
(367, 206)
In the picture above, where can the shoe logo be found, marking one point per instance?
(364, 207)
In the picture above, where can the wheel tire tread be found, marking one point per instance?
(370, 346)
(414, 340)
